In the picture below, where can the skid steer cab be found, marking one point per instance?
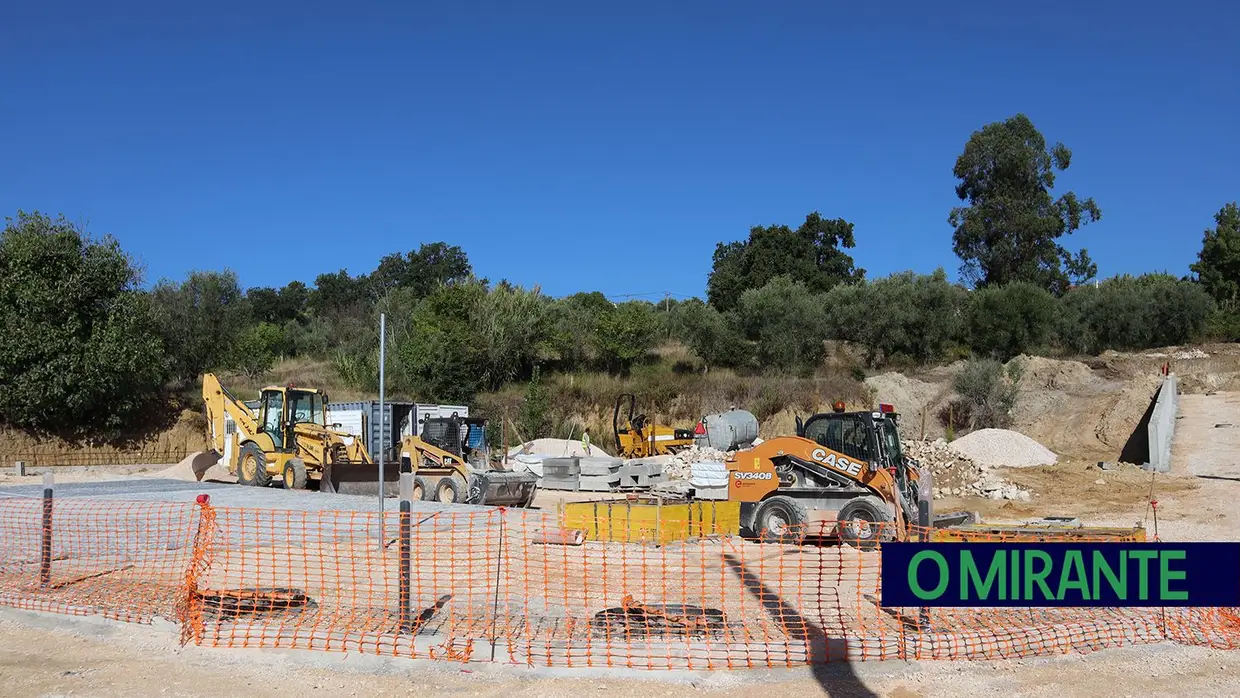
(843, 475)
(451, 463)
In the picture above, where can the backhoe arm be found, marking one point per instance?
(220, 402)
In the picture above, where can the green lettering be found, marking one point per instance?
(970, 575)
(1103, 569)
(1039, 577)
(1166, 575)
(1073, 563)
(1143, 583)
(944, 577)
(1015, 575)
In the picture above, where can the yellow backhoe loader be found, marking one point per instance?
(286, 437)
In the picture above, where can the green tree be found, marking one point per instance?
(201, 318)
(574, 324)
(626, 334)
(533, 419)
(1133, 312)
(715, 337)
(788, 322)
(255, 349)
(811, 254)
(422, 270)
(907, 315)
(79, 348)
(1009, 230)
(1010, 320)
(1218, 264)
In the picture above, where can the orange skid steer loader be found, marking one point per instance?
(843, 472)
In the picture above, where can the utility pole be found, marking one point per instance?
(382, 420)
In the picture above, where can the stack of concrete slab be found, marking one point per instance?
(640, 474)
(560, 473)
(709, 480)
(581, 474)
(599, 474)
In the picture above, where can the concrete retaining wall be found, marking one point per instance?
(1162, 425)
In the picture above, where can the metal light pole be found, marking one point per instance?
(382, 421)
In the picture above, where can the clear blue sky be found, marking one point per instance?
(580, 147)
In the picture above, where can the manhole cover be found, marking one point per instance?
(632, 619)
(230, 603)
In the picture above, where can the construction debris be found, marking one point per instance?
(678, 467)
(957, 475)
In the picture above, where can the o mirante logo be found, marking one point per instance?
(1060, 574)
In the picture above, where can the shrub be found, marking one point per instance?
(988, 394)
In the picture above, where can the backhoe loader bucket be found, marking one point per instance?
(501, 488)
(359, 479)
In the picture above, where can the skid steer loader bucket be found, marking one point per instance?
(500, 488)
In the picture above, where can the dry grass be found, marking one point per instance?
(311, 373)
(672, 389)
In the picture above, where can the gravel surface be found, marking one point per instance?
(1003, 448)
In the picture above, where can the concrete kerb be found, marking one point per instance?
(1162, 425)
(167, 633)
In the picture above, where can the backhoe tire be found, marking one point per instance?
(781, 520)
(866, 522)
(451, 490)
(423, 489)
(252, 466)
(294, 476)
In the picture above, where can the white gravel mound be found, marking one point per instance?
(1003, 448)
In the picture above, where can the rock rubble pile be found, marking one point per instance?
(956, 475)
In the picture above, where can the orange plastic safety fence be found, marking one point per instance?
(121, 560)
(512, 586)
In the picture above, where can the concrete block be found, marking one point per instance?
(598, 483)
(714, 493)
(571, 484)
(561, 467)
(19, 468)
(600, 466)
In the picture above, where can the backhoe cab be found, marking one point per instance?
(638, 437)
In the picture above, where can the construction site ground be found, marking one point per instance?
(53, 655)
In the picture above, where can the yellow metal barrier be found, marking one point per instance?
(652, 519)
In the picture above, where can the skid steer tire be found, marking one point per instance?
(866, 522)
(423, 489)
(781, 520)
(451, 490)
(252, 466)
(294, 476)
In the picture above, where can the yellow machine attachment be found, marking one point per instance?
(638, 437)
(287, 437)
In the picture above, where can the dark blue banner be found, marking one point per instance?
(1061, 574)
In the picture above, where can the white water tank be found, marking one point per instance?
(727, 431)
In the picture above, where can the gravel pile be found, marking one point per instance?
(1002, 448)
(957, 475)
